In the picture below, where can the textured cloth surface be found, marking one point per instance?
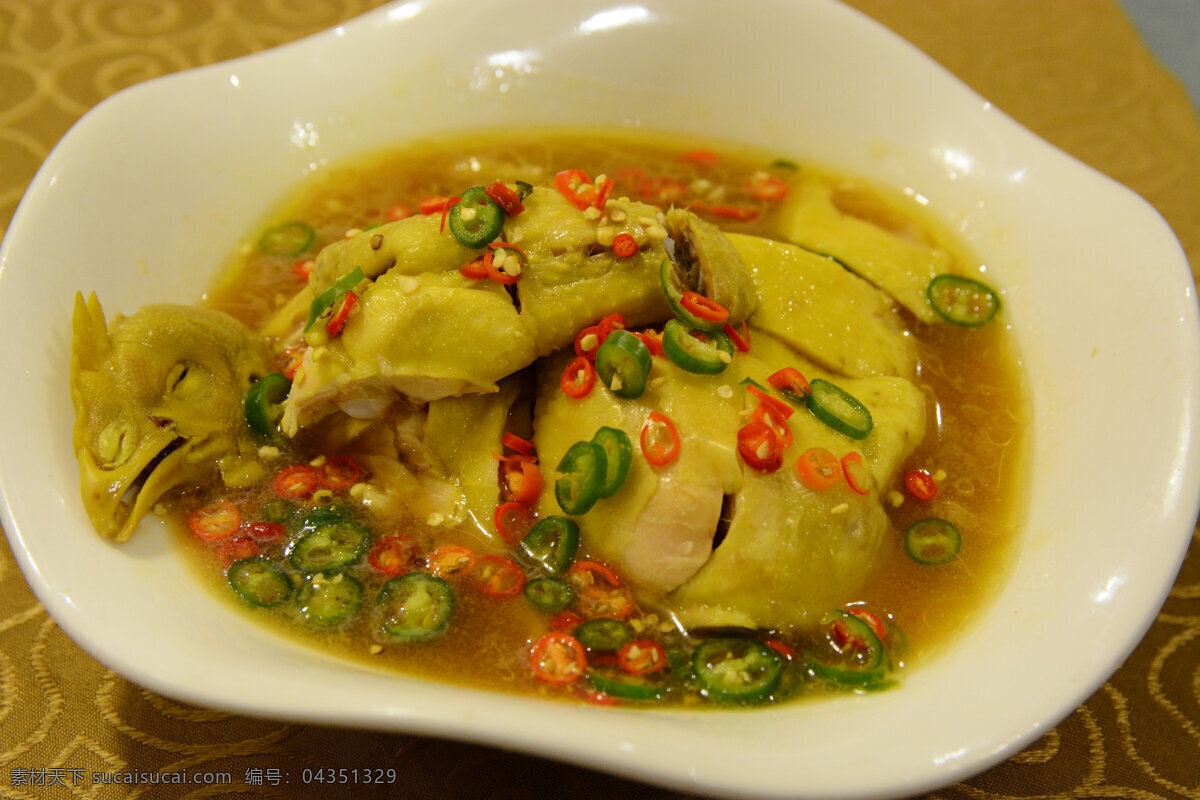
(1074, 71)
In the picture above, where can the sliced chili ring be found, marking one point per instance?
(920, 484)
(576, 187)
(415, 607)
(760, 447)
(838, 409)
(660, 439)
(549, 593)
(818, 468)
(737, 669)
(475, 269)
(588, 341)
(624, 245)
(642, 656)
(578, 378)
(769, 188)
(652, 340)
(451, 561)
(558, 658)
(858, 477)
(770, 415)
(792, 384)
(503, 274)
(599, 591)
(521, 480)
(263, 405)
(740, 339)
(623, 364)
(704, 308)
(340, 472)
(932, 541)
(552, 543)
(565, 621)
(512, 520)
(582, 472)
(295, 482)
(337, 322)
(618, 453)
(517, 443)
(963, 301)
(697, 351)
(393, 555)
(434, 205)
(216, 520)
(499, 576)
(610, 323)
(505, 197)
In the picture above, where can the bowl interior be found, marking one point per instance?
(147, 211)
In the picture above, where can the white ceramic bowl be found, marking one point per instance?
(150, 191)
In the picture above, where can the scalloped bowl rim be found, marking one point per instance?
(148, 207)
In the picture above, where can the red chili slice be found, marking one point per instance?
(576, 186)
(514, 442)
(565, 621)
(701, 158)
(740, 339)
(393, 555)
(790, 379)
(659, 439)
(759, 447)
(770, 415)
(449, 204)
(610, 323)
(603, 192)
(652, 340)
(520, 480)
(340, 472)
(578, 378)
(920, 484)
(703, 307)
(737, 213)
(783, 648)
(474, 268)
(266, 531)
(783, 410)
(513, 520)
(769, 188)
(588, 341)
(642, 657)
(506, 198)
(558, 658)
(624, 246)
(857, 475)
(295, 482)
(217, 520)
(818, 468)
(304, 268)
(434, 205)
(338, 321)
(846, 640)
(236, 548)
(599, 591)
(499, 576)
(451, 561)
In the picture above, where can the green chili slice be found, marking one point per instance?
(623, 364)
(330, 546)
(287, 239)
(333, 295)
(415, 607)
(737, 669)
(583, 469)
(839, 410)
(618, 454)
(603, 634)
(329, 601)
(259, 581)
(864, 666)
(698, 351)
(963, 301)
(627, 687)
(552, 542)
(477, 220)
(673, 289)
(263, 405)
(932, 541)
(548, 593)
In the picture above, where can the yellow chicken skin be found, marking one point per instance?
(158, 399)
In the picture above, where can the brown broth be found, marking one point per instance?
(976, 400)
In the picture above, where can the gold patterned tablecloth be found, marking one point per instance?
(1074, 71)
